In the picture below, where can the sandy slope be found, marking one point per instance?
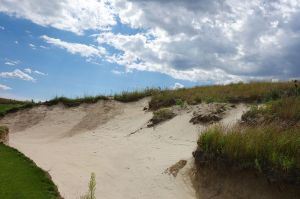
(72, 143)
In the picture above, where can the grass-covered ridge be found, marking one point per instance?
(21, 178)
(268, 140)
(269, 150)
(240, 92)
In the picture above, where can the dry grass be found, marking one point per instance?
(270, 150)
(241, 92)
(161, 115)
(135, 95)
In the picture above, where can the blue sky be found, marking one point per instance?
(89, 47)
(65, 74)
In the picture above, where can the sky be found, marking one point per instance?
(89, 47)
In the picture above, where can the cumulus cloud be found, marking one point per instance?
(75, 16)
(17, 74)
(4, 87)
(76, 48)
(218, 41)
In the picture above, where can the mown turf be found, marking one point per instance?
(20, 178)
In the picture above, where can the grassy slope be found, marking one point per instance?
(21, 178)
(252, 92)
(270, 143)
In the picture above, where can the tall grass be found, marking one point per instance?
(135, 95)
(282, 111)
(241, 92)
(270, 150)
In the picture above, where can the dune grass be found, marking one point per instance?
(135, 95)
(284, 111)
(240, 92)
(69, 102)
(268, 141)
(161, 115)
(267, 149)
(21, 178)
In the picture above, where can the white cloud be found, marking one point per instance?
(11, 62)
(28, 70)
(209, 41)
(4, 87)
(76, 48)
(17, 74)
(32, 46)
(39, 73)
(2, 28)
(16, 42)
(75, 16)
(177, 86)
(117, 72)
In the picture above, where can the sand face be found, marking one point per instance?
(71, 143)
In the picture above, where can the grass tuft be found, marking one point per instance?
(161, 116)
(135, 95)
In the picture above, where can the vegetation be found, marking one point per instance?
(268, 141)
(269, 150)
(75, 102)
(161, 116)
(3, 129)
(21, 178)
(135, 95)
(241, 92)
(92, 188)
(285, 111)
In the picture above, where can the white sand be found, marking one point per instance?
(72, 143)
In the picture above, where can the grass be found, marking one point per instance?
(267, 149)
(161, 115)
(282, 111)
(135, 95)
(75, 102)
(3, 129)
(21, 178)
(240, 92)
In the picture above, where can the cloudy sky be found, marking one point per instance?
(87, 47)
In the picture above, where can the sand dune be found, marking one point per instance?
(71, 143)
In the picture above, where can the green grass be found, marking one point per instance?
(20, 178)
(161, 115)
(75, 102)
(284, 111)
(241, 92)
(135, 95)
(272, 151)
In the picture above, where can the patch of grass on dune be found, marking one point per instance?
(21, 178)
(240, 92)
(135, 95)
(8, 105)
(284, 111)
(69, 102)
(267, 149)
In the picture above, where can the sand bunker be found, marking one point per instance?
(70, 143)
